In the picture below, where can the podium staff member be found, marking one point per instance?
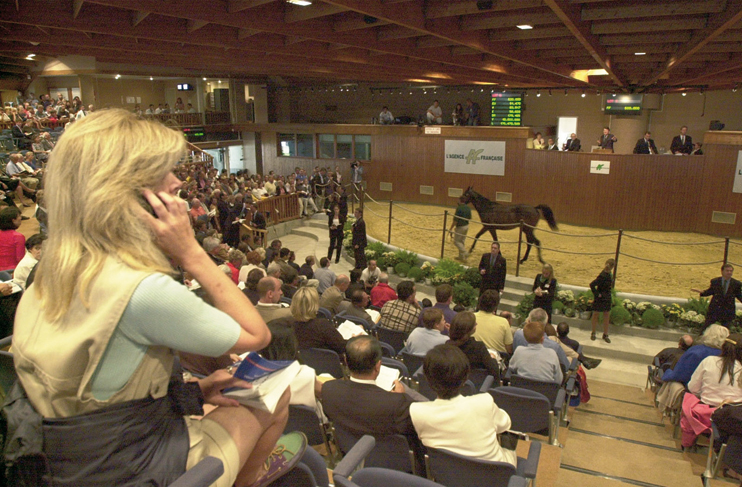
(682, 144)
(607, 139)
(645, 145)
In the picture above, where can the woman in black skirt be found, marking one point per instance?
(544, 288)
(602, 302)
(336, 222)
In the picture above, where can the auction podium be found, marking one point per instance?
(598, 150)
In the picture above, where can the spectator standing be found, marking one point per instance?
(458, 115)
(602, 299)
(472, 112)
(359, 240)
(460, 227)
(324, 275)
(336, 223)
(493, 268)
(538, 142)
(544, 287)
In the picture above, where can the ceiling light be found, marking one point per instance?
(30, 57)
(685, 94)
(204, 79)
(301, 3)
(583, 94)
(736, 87)
(117, 76)
(640, 53)
(538, 93)
(151, 78)
(220, 81)
(524, 27)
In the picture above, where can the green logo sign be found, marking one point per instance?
(472, 157)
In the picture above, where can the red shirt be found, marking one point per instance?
(235, 273)
(12, 249)
(381, 293)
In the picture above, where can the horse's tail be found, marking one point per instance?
(548, 216)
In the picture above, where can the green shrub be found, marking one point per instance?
(381, 264)
(569, 312)
(620, 315)
(415, 273)
(699, 305)
(374, 251)
(652, 318)
(557, 305)
(409, 258)
(448, 271)
(526, 305)
(402, 268)
(464, 294)
(473, 277)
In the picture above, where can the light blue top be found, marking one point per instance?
(161, 312)
(421, 340)
(536, 362)
(520, 340)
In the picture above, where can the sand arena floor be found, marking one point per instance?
(633, 275)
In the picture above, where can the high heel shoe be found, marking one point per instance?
(605, 337)
(592, 336)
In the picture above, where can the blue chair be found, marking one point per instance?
(203, 474)
(387, 350)
(413, 362)
(311, 471)
(393, 337)
(342, 316)
(452, 469)
(372, 476)
(286, 300)
(305, 419)
(392, 451)
(529, 411)
(423, 386)
(326, 313)
(477, 376)
(322, 361)
(6, 342)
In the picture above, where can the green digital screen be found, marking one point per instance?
(507, 109)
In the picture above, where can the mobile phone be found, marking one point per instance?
(145, 204)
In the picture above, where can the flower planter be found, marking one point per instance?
(427, 281)
(556, 312)
(586, 315)
(671, 323)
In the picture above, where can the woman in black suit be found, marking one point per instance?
(602, 299)
(336, 222)
(462, 329)
(544, 288)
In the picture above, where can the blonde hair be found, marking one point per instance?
(305, 303)
(94, 182)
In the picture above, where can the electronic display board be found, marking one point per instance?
(624, 104)
(507, 109)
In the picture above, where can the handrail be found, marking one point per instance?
(279, 209)
(197, 156)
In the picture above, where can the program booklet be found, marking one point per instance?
(269, 379)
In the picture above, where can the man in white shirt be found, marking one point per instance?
(29, 261)
(370, 272)
(386, 117)
(435, 113)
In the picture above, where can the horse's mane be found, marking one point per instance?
(482, 200)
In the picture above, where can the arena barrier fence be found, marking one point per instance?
(615, 252)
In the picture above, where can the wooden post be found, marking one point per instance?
(520, 243)
(389, 233)
(443, 240)
(726, 249)
(618, 252)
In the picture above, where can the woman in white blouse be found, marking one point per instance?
(466, 425)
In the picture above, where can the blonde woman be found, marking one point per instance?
(94, 337)
(602, 299)
(313, 331)
(544, 289)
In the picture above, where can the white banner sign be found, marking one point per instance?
(738, 175)
(600, 167)
(475, 157)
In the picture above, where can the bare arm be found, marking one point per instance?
(174, 236)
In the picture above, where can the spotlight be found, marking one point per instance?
(583, 94)
(736, 87)
(685, 94)
(151, 78)
(538, 94)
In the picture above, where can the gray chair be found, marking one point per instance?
(322, 361)
(203, 474)
(393, 337)
(413, 362)
(311, 471)
(305, 419)
(373, 476)
(326, 313)
(714, 458)
(452, 469)
(529, 411)
(391, 452)
(342, 316)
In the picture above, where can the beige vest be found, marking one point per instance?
(56, 361)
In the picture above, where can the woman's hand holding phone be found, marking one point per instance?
(172, 227)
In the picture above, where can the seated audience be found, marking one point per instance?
(234, 262)
(29, 261)
(356, 306)
(269, 307)
(708, 345)
(443, 299)
(717, 380)
(382, 292)
(535, 361)
(359, 406)
(492, 330)
(568, 344)
(251, 285)
(253, 262)
(461, 333)
(311, 330)
(12, 242)
(306, 268)
(401, 314)
(539, 315)
(422, 339)
(464, 425)
(355, 283)
(671, 355)
(324, 275)
(334, 295)
(370, 272)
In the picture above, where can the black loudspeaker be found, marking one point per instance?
(716, 125)
(484, 4)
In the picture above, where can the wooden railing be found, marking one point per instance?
(279, 209)
(214, 118)
(182, 119)
(196, 156)
(44, 123)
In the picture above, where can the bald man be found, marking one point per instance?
(335, 294)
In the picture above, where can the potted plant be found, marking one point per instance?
(526, 305)
(652, 318)
(582, 305)
(557, 308)
(672, 314)
(415, 273)
(473, 277)
(391, 260)
(402, 269)
(620, 315)
(569, 312)
(428, 271)
(464, 294)
(566, 297)
(381, 264)
(447, 271)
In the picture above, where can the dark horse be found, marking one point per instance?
(510, 215)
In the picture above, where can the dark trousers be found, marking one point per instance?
(360, 256)
(336, 242)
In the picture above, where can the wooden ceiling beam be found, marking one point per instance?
(194, 25)
(432, 41)
(234, 6)
(647, 39)
(137, 17)
(313, 11)
(293, 40)
(716, 25)
(463, 51)
(535, 33)
(245, 33)
(17, 61)
(731, 35)
(641, 11)
(648, 26)
(507, 20)
(357, 23)
(723, 47)
(76, 6)
(565, 43)
(648, 48)
(649, 58)
(445, 8)
(13, 69)
(391, 33)
(570, 17)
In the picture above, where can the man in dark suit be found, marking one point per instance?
(360, 407)
(359, 240)
(551, 145)
(573, 144)
(22, 140)
(723, 291)
(682, 144)
(607, 139)
(645, 145)
(493, 268)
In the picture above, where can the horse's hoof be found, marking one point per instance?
(523, 261)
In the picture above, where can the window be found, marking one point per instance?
(326, 146)
(363, 147)
(296, 145)
(344, 147)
